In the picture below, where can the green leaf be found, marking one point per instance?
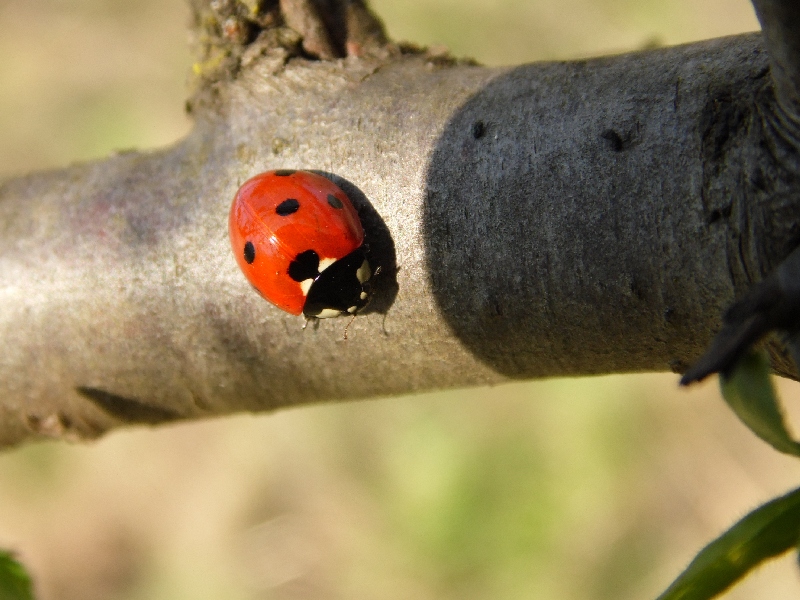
(15, 583)
(749, 392)
(768, 531)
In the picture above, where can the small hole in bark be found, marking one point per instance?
(615, 141)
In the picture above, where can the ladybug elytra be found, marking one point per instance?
(299, 241)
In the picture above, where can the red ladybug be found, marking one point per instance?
(299, 241)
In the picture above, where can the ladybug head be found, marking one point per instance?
(342, 287)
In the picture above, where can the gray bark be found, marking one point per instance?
(545, 220)
(780, 20)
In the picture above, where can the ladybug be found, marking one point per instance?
(299, 241)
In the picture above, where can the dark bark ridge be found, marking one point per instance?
(773, 305)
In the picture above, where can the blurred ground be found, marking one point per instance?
(597, 488)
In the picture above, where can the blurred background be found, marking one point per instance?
(593, 488)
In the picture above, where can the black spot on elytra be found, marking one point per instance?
(304, 266)
(287, 207)
(249, 252)
(130, 410)
(285, 172)
(334, 201)
(478, 130)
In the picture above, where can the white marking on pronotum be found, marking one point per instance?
(327, 313)
(363, 272)
(305, 285)
(363, 295)
(352, 309)
(325, 263)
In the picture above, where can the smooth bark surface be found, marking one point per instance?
(551, 219)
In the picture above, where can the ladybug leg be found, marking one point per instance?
(346, 327)
(314, 321)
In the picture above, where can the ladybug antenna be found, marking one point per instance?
(346, 327)
(308, 320)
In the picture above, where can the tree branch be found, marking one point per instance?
(544, 220)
